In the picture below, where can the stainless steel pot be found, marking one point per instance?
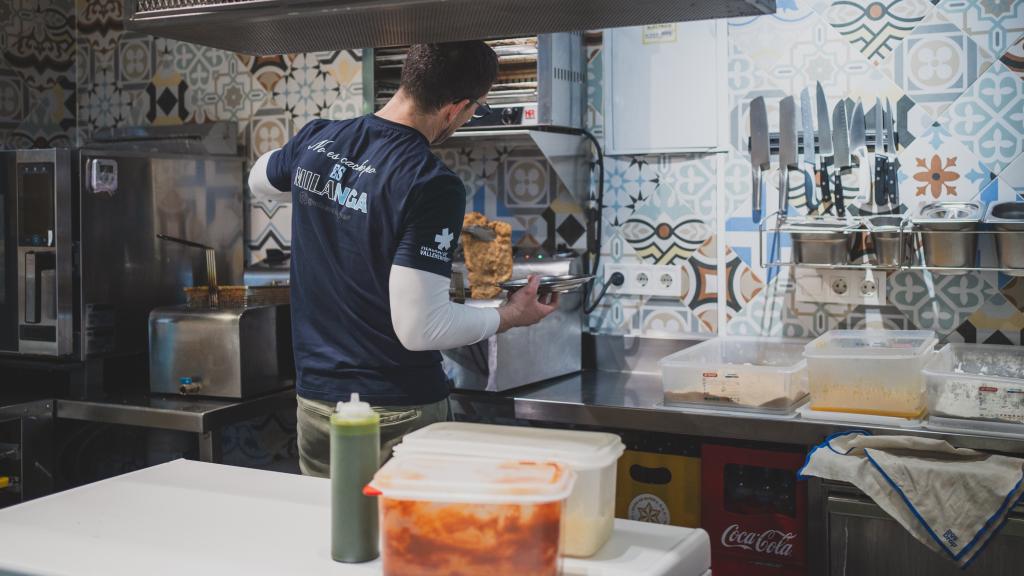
(1007, 218)
(820, 241)
(949, 235)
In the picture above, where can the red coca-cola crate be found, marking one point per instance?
(755, 511)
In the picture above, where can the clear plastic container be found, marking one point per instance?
(869, 371)
(766, 374)
(449, 515)
(977, 381)
(589, 514)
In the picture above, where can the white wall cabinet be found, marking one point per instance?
(665, 88)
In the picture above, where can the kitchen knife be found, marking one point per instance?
(810, 163)
(824, 147)
(858, 138)
(879, 194)
(841, 143)
(787, 148)
(892, 187)
(759, 154)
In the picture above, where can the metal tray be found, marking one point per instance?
(551, 284)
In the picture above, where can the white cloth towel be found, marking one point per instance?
(951, 499)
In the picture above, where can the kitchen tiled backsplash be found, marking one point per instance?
(954, 70)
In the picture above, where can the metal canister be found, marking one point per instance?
(949, 235)
(1007, 219)
(887, 234)
(818, 241)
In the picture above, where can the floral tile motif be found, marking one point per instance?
(997, 322)
(938, 167)
(663, 239)
(875, 28)
(793, 54)
(683, 183)
(940, 302)
(993, 24)
(989, 117)
(876, 318)
(746, 80)
(526, 181)
(936, 64)
(1014, 58)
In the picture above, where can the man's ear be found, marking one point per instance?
(452, 111)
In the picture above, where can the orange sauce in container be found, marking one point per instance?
(455, 539)
(451, 517)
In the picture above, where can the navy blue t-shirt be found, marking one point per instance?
(367, 193)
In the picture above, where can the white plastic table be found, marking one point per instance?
(197, 518)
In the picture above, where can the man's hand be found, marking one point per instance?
(525, 308)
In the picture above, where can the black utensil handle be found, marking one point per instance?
(826, 187)
(840, 200)
(881, 181)
(892, 185)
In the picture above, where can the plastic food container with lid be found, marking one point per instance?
(869, 371)
(977, 381)
(765, 374)
(589, 513)
(449, 515)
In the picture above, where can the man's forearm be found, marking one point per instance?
(424, 317)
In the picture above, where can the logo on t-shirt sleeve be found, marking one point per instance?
(444, 246)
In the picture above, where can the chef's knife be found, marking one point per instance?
(824, 146)
(810, 164)
(892, 187)
(859, 146)
(880, 196)
(787, 148)
(841, 142)
(759, 154)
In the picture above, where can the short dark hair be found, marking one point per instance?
(439, 74)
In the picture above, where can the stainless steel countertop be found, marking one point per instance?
(185, 414)
(633, 401)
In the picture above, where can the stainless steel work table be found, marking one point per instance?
(204, 417)
(634, 401)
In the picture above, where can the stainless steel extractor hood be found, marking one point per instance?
(290, 26)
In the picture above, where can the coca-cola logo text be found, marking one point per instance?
(774, 542)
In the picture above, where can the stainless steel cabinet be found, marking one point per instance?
(862, 539)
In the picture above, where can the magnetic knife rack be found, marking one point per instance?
(774, 137)
(858, 233)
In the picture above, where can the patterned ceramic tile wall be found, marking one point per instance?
(956, 69)
(37, 73)
(125, 78)
(953, 69)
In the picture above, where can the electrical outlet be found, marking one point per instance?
(857, 287)
(646, 279)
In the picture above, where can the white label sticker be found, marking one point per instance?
(1001, 403)
(659, 33)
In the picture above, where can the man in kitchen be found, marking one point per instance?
(375, 220)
